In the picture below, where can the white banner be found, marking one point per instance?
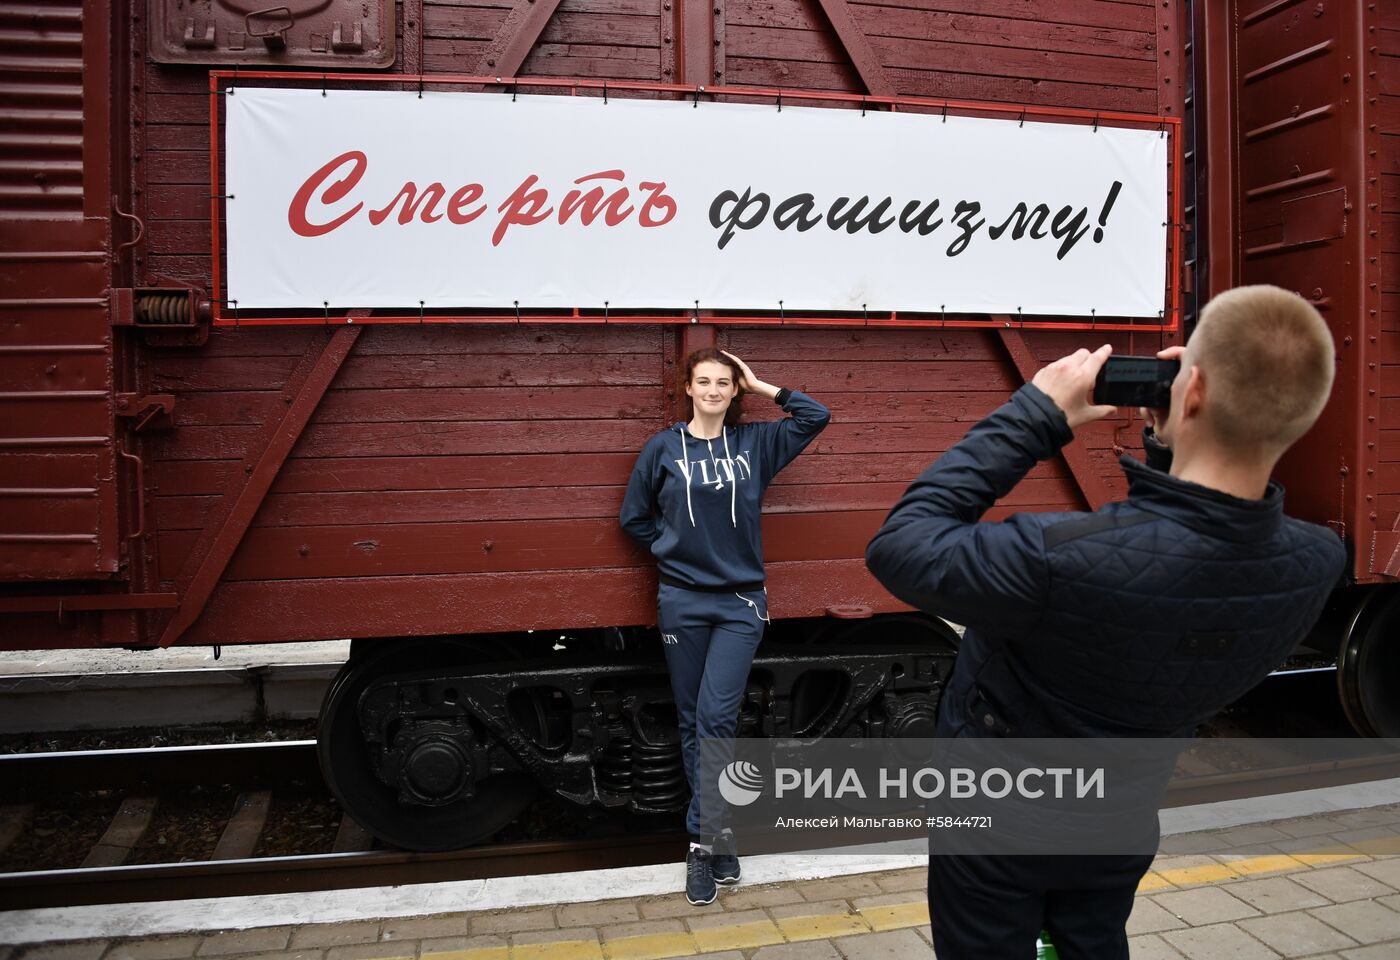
(373, 198)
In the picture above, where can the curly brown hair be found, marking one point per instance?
(711, 355)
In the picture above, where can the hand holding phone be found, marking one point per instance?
(1136, 382)
(1067, 382)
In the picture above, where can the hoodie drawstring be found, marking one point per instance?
(733, 478)
(755, 607)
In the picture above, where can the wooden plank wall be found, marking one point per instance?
(469, 477)
(616, 39)
(1090, 54)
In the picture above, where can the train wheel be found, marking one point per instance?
(1368, 666)
(347, 769)
(819, 696)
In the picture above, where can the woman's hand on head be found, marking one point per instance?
(748, 382)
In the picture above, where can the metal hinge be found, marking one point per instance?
(153, 411)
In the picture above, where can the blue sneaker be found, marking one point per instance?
(700, 886)
(724, 863)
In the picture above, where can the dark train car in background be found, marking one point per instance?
(447, 494)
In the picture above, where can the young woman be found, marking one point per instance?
(694, 500)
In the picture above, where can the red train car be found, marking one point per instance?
(172, 472)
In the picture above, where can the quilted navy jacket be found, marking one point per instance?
(1141, 619)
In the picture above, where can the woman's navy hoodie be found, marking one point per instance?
(695, 503)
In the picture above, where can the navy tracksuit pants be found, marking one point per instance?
(992, 907)
(709, 640)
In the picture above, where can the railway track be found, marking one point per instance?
(142, 777)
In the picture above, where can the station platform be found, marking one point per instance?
(1325, 885)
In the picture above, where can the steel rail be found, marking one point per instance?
(334, 871)
(247, 764)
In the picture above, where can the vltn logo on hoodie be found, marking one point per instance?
(717, 471)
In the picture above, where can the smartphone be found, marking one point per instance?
(1136, 382)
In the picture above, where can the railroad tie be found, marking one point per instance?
(351, 837)
(13, 820)
(240, 837)
(125, 831)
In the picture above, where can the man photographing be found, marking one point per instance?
(1141, 619)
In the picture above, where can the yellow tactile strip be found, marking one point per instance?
(793, 923)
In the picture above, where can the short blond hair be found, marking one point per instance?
(1268, 362)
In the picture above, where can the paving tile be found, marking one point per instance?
(797, 951)
(640, 928)
(513, 921)
(1276, 895)
(901, 880)
(597, 914)
(1151, 947)
(753, 897)
(1316, 851)
(1340, 884)
(1204, 905)
(653, 946)
(1386, 871)
(1257, 834)
(463, 948)
(161, 948)
(424, 928)
(334, 934)
(1391, 902)
(1296, 934)
(817, 921)
(1372, 841)
(893, 945)
(1272, 862)
(1153, 881)
(258, 940)
(372, 951)
(1189, 843)
(573, 943)
(1380, 951)
(1149, 917)
(1308, 826)
(1371, 817)
(675, 905)
(1192, 870)
(1216, 941)
(1165, 861)
(888, 899)
(74, 950)
(310, 953)
(807, 908)
(1365, 921)
(897, 917)
(840, 888)
(649, 939)
(739, 930)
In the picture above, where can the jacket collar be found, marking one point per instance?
(1211, 512)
